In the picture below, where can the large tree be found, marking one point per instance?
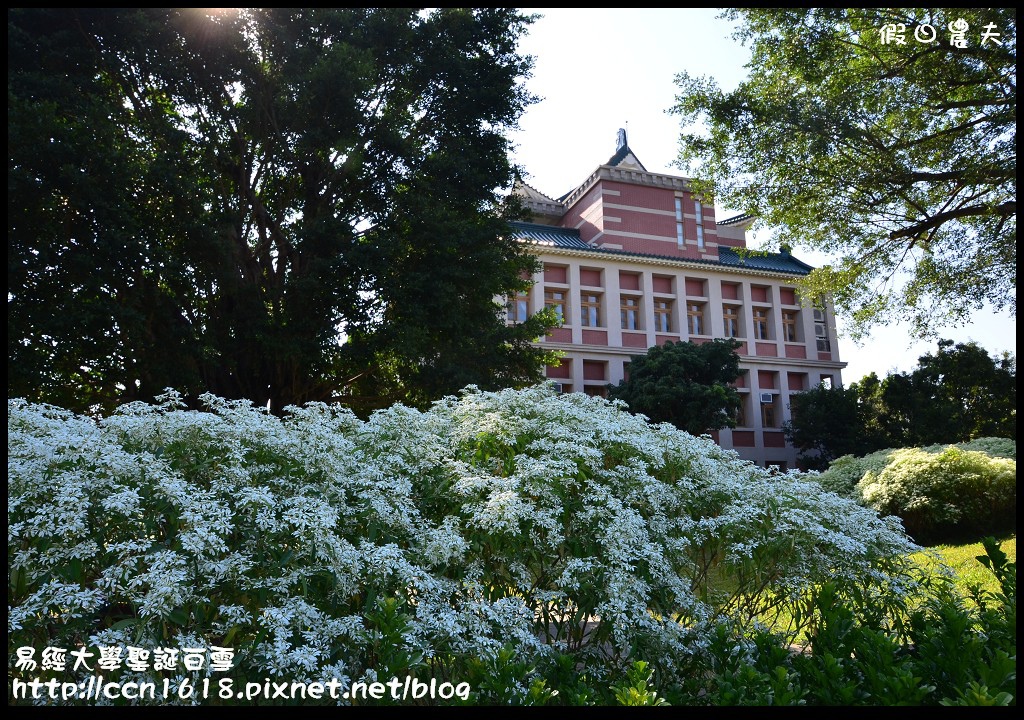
(898, 159)
(282, 205)
(956, 394)
(826, 423)
(689, 385)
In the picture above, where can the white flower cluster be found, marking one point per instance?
(519, 519)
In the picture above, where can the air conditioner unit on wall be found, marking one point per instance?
(767, 398)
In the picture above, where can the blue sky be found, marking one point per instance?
(598, 70)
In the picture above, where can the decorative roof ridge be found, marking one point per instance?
(736, 219)
(542, 226)
(621, 154)
(621, 174)
(741, 254)
(520, 183)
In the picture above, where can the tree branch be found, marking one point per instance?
(1003, 210)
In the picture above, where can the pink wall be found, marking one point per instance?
(559, 371)
(590, 277)
(696, 288)
(629, 281)
(774, 439)
(555, 274)
(797, 381)
(662, 284)
(629, 221)
(593, 370)
(574, 217)
(646, 197)
(743, 438)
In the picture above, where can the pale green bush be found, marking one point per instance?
(845, 472)
(511, 524)
(946, 495)
(993, 446)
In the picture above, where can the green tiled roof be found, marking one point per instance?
(549, 235)
(728, 257)
(759, 260)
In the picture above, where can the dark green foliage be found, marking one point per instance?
(946, 650)
(957, 394)
(934, 647)
(282, 205)
(826, 423)
(686, 384)
(898, 160)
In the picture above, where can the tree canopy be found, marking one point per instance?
(956, 394)
(877, 137)
(686, 384)
(826, 423)
(283, 205)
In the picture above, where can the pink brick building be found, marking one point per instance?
(632, 259)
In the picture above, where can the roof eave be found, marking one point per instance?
(663, 261)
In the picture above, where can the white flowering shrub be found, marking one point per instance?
(945, 495)
(509, 526)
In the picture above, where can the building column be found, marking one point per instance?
(715, 322)
(537, 293)
(577, 372)
(612, 306)
(572, 307)
(807, 326)
(748, 327)
(777, 333)
(682, 301)
(647, 306)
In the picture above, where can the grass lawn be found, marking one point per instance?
(961, 559)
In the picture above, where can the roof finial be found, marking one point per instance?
(620, 140)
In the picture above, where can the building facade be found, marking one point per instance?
(631, 259)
